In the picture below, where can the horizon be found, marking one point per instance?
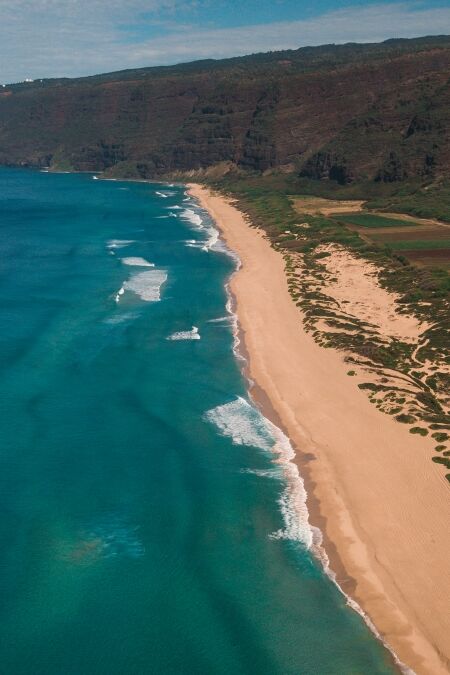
(46, 39)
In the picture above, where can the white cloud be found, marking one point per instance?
(49, 38)
(358, 24)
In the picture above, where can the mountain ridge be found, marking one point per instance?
(348, 113)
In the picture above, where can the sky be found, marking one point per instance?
(56, 38)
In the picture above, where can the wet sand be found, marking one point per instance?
(380, 501)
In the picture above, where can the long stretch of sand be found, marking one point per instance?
(381, 502)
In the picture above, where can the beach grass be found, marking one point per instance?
(400, 383)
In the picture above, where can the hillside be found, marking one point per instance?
(376, 112)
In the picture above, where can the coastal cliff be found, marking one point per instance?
(376, 112)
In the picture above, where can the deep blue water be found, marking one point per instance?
(145, 527)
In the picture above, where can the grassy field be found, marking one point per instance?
(421, 244)
(425, 242)
(412, 197)
(374, 221)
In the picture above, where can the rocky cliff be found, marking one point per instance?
(351, 112)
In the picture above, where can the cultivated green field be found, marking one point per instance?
(419, 245)
(372, 220)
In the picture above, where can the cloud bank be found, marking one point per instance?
(54, 38)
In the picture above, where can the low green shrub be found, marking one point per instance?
(419, 430)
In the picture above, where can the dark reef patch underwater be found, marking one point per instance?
(146, 526)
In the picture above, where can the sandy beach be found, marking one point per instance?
(382, 504)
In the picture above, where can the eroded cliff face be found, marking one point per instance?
(383, 119)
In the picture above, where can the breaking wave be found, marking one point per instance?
(119, 243)
(195, 220)
(166, 194)
(120, 292)
(186, 335)
(246, 425)
(225, 321)
(147, 285)
(137, 262)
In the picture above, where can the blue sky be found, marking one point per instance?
(52, 38)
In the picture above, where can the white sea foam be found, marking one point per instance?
(94, 177)
(193, 243)
(119, 243)
(120, 292)
(175, 208)
(166, 194)
(235, 325)
(213, 239)
(245, 425)
(186, 335)
(292, 501)
(223, 320)
(193, 218)
(147, 285)
(242, 423)
(137, 262)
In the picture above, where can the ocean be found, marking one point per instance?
(152, 520)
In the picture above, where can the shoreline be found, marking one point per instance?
(372, 563)
(323, 550)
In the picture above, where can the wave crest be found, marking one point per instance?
(147, 285)
(185, 335)
(246, 425)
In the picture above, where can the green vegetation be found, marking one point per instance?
(429, 200)
(372, 220)
(416, 197)
(440, 437)
(405, 419)
(419, 430)
(420, 245)
(443, 460)
(401, 385)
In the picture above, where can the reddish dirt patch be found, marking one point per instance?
(437, 257)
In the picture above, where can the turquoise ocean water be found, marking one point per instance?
(151, 522)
